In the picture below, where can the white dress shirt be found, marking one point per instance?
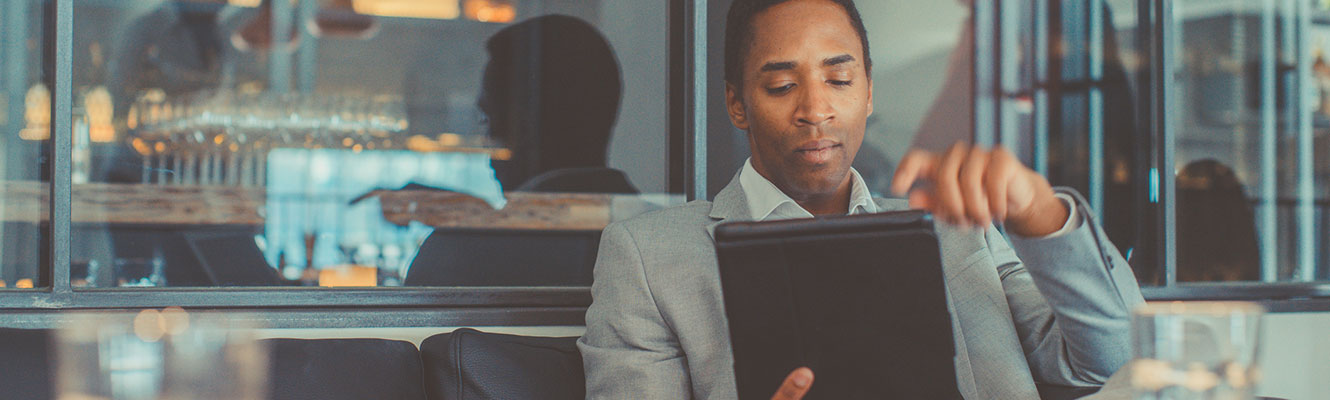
(767, 202)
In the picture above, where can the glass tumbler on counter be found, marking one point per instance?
(1196, 350)
(159, 355)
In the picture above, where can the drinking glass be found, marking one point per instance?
(1196, 350)
(159, 355)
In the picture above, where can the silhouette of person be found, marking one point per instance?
(1216, 226)
(551, 93)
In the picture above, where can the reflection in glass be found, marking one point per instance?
(1067, 75)
(1240, 119)
(25, 120)
(241, 158)
(1244, 85)
(1216, 227)
(551, 92)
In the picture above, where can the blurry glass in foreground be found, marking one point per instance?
(166, 354)
(1196, 350)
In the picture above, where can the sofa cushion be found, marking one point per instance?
(331, 369)
(468, 364)
(26, 371)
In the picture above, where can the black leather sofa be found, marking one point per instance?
(464, 364)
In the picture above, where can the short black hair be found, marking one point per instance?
(552, 90)
(739, 34)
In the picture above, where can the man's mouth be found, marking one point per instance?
(817, 151)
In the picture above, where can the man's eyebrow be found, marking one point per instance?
(837, 60)
(777, 66)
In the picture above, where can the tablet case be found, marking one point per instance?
(858, 299)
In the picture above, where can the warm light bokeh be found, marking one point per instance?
(427, 9)
(499, 11)
(36, 113)
(349, 276)
(97, 102)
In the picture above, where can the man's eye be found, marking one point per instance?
(781, 90)
(840, 83)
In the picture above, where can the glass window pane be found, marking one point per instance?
(1086, 125)
(1130, 215)
(1237, 170)
(1243, 118)
(367, 142)
(1314, 196)
(25, 76)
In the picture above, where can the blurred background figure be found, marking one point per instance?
(551, 94)
(1216, 226)
(175, 50)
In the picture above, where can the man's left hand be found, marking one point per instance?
(975, 186)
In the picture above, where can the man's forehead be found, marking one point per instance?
(809, 30)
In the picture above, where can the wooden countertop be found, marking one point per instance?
(147, 204)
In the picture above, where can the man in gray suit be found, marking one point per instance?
(1051, 307)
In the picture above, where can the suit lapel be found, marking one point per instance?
(731, 204)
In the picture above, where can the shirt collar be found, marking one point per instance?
(767, 202)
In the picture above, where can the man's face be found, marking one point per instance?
(806, 97)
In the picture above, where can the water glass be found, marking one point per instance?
(1196, 350)
(159, 355)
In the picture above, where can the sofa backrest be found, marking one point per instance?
(463, 364)
(25, 364)
(467, 364)
(333, 369)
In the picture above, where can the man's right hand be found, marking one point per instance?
(796, 385)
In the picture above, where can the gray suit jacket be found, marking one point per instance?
(1039, 310)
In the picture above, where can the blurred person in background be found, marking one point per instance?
(551, 94)
(1216, 226)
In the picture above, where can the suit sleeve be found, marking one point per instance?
(1071, 299)
(628, 350)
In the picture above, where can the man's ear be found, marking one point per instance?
(735, 106)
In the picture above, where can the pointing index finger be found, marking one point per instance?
(916, 164)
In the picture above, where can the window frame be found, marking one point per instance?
(311, 307)
(993, 86)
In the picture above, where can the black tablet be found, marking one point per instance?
(858, 299)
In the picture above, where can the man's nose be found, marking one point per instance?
(814, 107)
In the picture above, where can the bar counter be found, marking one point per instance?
(149, 204)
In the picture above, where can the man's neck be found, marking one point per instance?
(833, 203)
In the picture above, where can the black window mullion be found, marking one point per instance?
(1161, 92)
(61, 145)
